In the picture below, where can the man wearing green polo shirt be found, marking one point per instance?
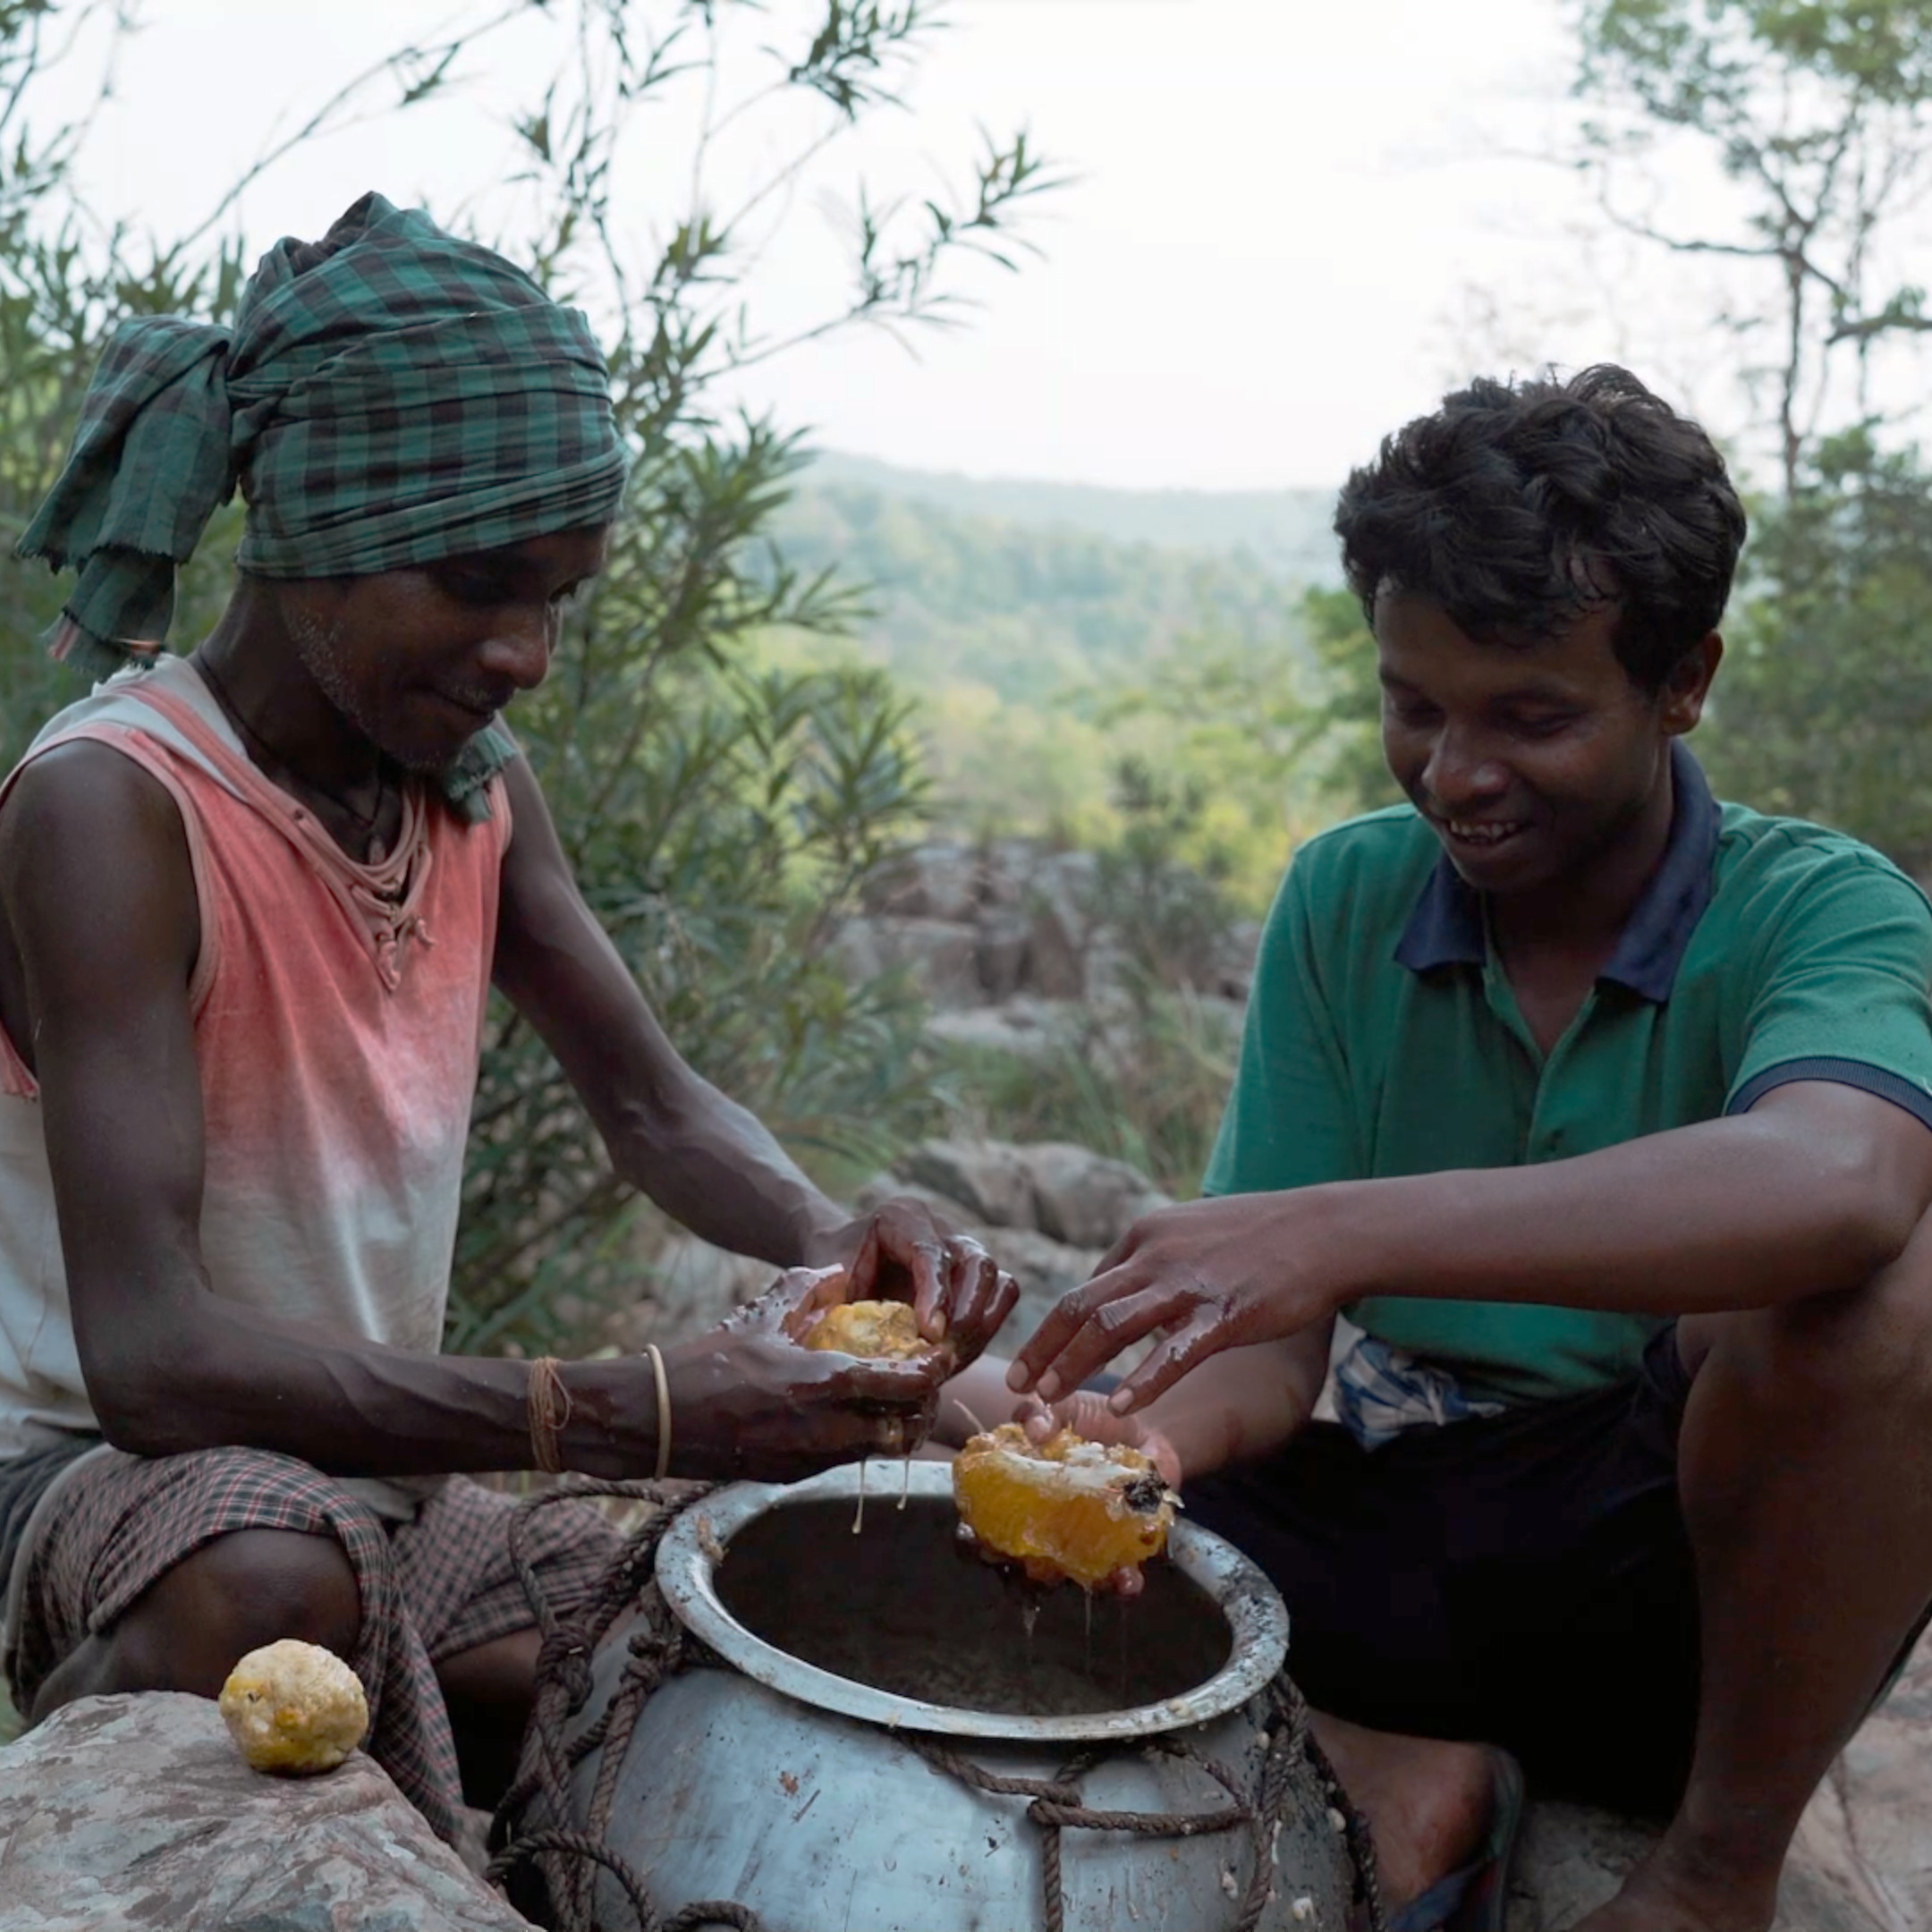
(1604, 1113)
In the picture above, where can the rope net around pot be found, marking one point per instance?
(568, 1859)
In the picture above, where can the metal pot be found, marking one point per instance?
(830, 1772)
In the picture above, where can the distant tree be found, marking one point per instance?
(1820, 112)
(1349, 715)
(1824, 706)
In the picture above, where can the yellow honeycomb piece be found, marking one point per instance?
(1065, 1507)
(294, 1707)
(869, 1328)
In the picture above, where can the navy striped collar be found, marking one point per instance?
(1445, 928)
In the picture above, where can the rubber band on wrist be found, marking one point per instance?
(664, 1409)
(549, 1402)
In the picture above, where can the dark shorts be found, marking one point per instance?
(1523, 1579)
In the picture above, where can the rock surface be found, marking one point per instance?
(983, 927)
(137, 1811)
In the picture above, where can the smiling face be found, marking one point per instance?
(1538, 766)
(419, 660)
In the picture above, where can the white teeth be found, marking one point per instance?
(1481, 835)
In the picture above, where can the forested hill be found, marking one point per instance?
(1050, 632)
(1288, 531)
(1033, 588)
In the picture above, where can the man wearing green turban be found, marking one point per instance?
(252, 901)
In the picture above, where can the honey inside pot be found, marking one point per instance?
(1063, 1508)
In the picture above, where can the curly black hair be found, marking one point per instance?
(1518, 507)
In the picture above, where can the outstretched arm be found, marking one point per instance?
(1813, 1189)
(704, 1159)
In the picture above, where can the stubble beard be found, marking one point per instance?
(318, 645)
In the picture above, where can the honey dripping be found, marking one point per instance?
(905, 1480)
(858, 1522)
(1029, 1610)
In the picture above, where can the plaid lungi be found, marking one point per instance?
(430, 1589)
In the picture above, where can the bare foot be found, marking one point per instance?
(1661, 1896)
(1428, 1801)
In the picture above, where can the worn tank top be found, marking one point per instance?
(338, 1011)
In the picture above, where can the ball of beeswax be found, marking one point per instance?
(875, 1329)
(294, 1707)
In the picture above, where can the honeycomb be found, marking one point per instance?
(870, 1329)
(1065, 1507)
(294, 1707)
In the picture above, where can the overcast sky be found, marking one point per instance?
(1292, 222)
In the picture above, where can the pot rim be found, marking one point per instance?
(692, 1549)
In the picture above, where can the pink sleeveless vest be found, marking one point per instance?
(338, 1011)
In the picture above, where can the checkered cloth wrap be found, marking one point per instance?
(387, 396)
(430, 1589)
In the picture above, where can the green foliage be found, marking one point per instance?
(1171, 917)
(1348, 723)
(1824, 708)
(720, 815)
(1046, 654)
(1687, 57)
(1820, 112)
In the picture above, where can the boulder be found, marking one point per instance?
(939, 881)
(1026, 1028)
(942, 956)
(138, 1811)
(988, 1178)
(1003, 948)
(1082, 1198)
(1008, 871)
(1068, 884)
(1055, 961)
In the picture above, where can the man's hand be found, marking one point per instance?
(903, 1253)
(1205, 1274)
(748, 1399)
(1086, 1413)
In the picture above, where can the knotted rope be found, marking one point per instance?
(660, 1647)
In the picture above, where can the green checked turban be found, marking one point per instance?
(386, 396)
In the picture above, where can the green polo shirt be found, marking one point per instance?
(1382, 1038)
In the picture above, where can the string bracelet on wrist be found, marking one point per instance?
(549, 1402)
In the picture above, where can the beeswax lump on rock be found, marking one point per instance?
(869, 1328)
(294, 1707)
(1065, 1507)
